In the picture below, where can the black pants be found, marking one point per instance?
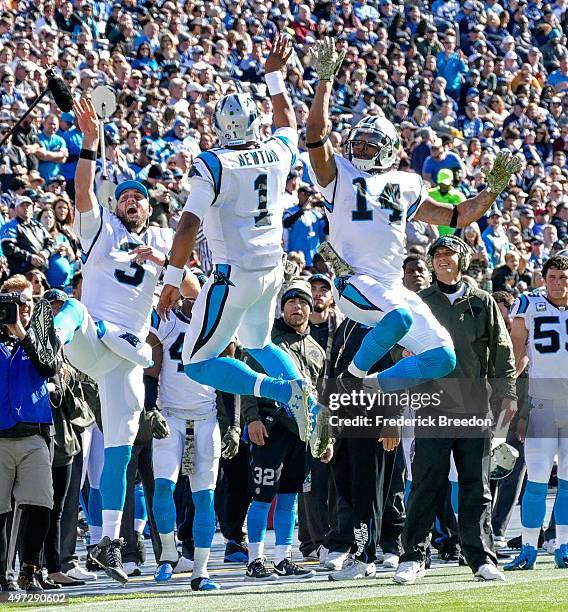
(232, 497)
(394, 514)
(185, 512)
(362, 473)
(141, 463)
(430, 468)
(61, 477)
(68, 538)
(314, 508)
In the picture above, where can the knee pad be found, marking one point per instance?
(534, 504)
(163, 505)
(437, 362)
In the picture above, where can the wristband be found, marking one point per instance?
(275, 83)
(173, 276)
(318, 143)
(454, 219)
(88, 154)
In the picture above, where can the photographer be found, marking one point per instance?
(27, 359)
(305, 223)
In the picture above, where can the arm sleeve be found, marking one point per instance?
(501, 351)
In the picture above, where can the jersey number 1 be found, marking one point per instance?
(261, 185)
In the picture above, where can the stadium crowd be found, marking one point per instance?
(460, 80)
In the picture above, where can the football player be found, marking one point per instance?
(540, 338)
(186, 405)
(103, 334)
(368, 205)
(237, 191)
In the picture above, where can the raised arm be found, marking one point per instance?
(85, 199)
(283, 113)
(471, 210)
(326, 62)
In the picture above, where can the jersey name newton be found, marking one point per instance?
(256, 158)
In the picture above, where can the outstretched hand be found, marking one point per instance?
(325, 59)
(87, 119)
(506, 164)
(280, 53)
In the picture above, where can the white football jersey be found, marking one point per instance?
(239, 196)
(115, 289)
(547, 345)
(178, 395)
(367, 217)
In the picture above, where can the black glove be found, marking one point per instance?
(158, 424)
(230, 442)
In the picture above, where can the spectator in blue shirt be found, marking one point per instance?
(439, 158)
(495, 239)
(305, 224)
(73, 140)
(51, 149)
(451, 66)
(559, 77)
(470, 124)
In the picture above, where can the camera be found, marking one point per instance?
(9, 303)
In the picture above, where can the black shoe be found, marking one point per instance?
(236, 552)
(257, 571)
(517, 543)
(461, 560)
(428, 559)
(27, 581)
(141, 545)
(106, 554)
(89, 565)
(450, 554)
(46, 583)
(287, 568)
(347, 382)
(502, 555)
(8, 585)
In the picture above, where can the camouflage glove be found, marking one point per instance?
(158, 424)
(505, 166)
(321, 435)
(325, 59)
(230, 442)
(340, 267)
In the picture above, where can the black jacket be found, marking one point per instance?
(21, 240)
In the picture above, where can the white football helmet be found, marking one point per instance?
(503, 459)
(236, 120)
(382, 134)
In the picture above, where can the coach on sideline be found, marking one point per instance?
(483, 351)
(25, 430)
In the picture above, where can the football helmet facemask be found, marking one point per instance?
(373, 133)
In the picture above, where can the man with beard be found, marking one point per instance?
(123, 260)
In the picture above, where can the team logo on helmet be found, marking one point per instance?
(236, 120)
(381, 135)
(453, 243)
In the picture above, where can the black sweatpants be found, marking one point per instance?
(232, 498)
(430, 468)
(362, 472)
(69, 516)
(51, 550)
(394, 513)
(315, 508)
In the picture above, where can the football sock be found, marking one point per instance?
(69, 319)
(140, 510)
(95, 515)
(533, 511)
(454, 496)
(257, 522)
(561, 513)
(284, 521)
(165, 516)
(113, 488)
(275, 362)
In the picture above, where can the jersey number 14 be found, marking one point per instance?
(389, 199)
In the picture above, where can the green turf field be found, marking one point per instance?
(449, 589)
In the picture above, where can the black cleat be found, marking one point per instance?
(27, 580)
(141, 546)
(236, 552)
(8, 585)
(288, 569)
(106, 555)
(258, 571)
(347, 382)
(517, 543)
(450, 554)
(46, 583)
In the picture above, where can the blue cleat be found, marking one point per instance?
(204, 584)
(524, 561)
(164, 572)
(561, 557)
(236, 552)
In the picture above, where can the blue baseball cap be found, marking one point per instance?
(130, 185)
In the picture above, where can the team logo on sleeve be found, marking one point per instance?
(131, 339)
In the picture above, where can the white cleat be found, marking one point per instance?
(80, 573)
(299, 407)
(549, 546)
(335, 561)
(183, 566)
(489, 572)
(390, 561)
(354, 570)
(409, 571)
